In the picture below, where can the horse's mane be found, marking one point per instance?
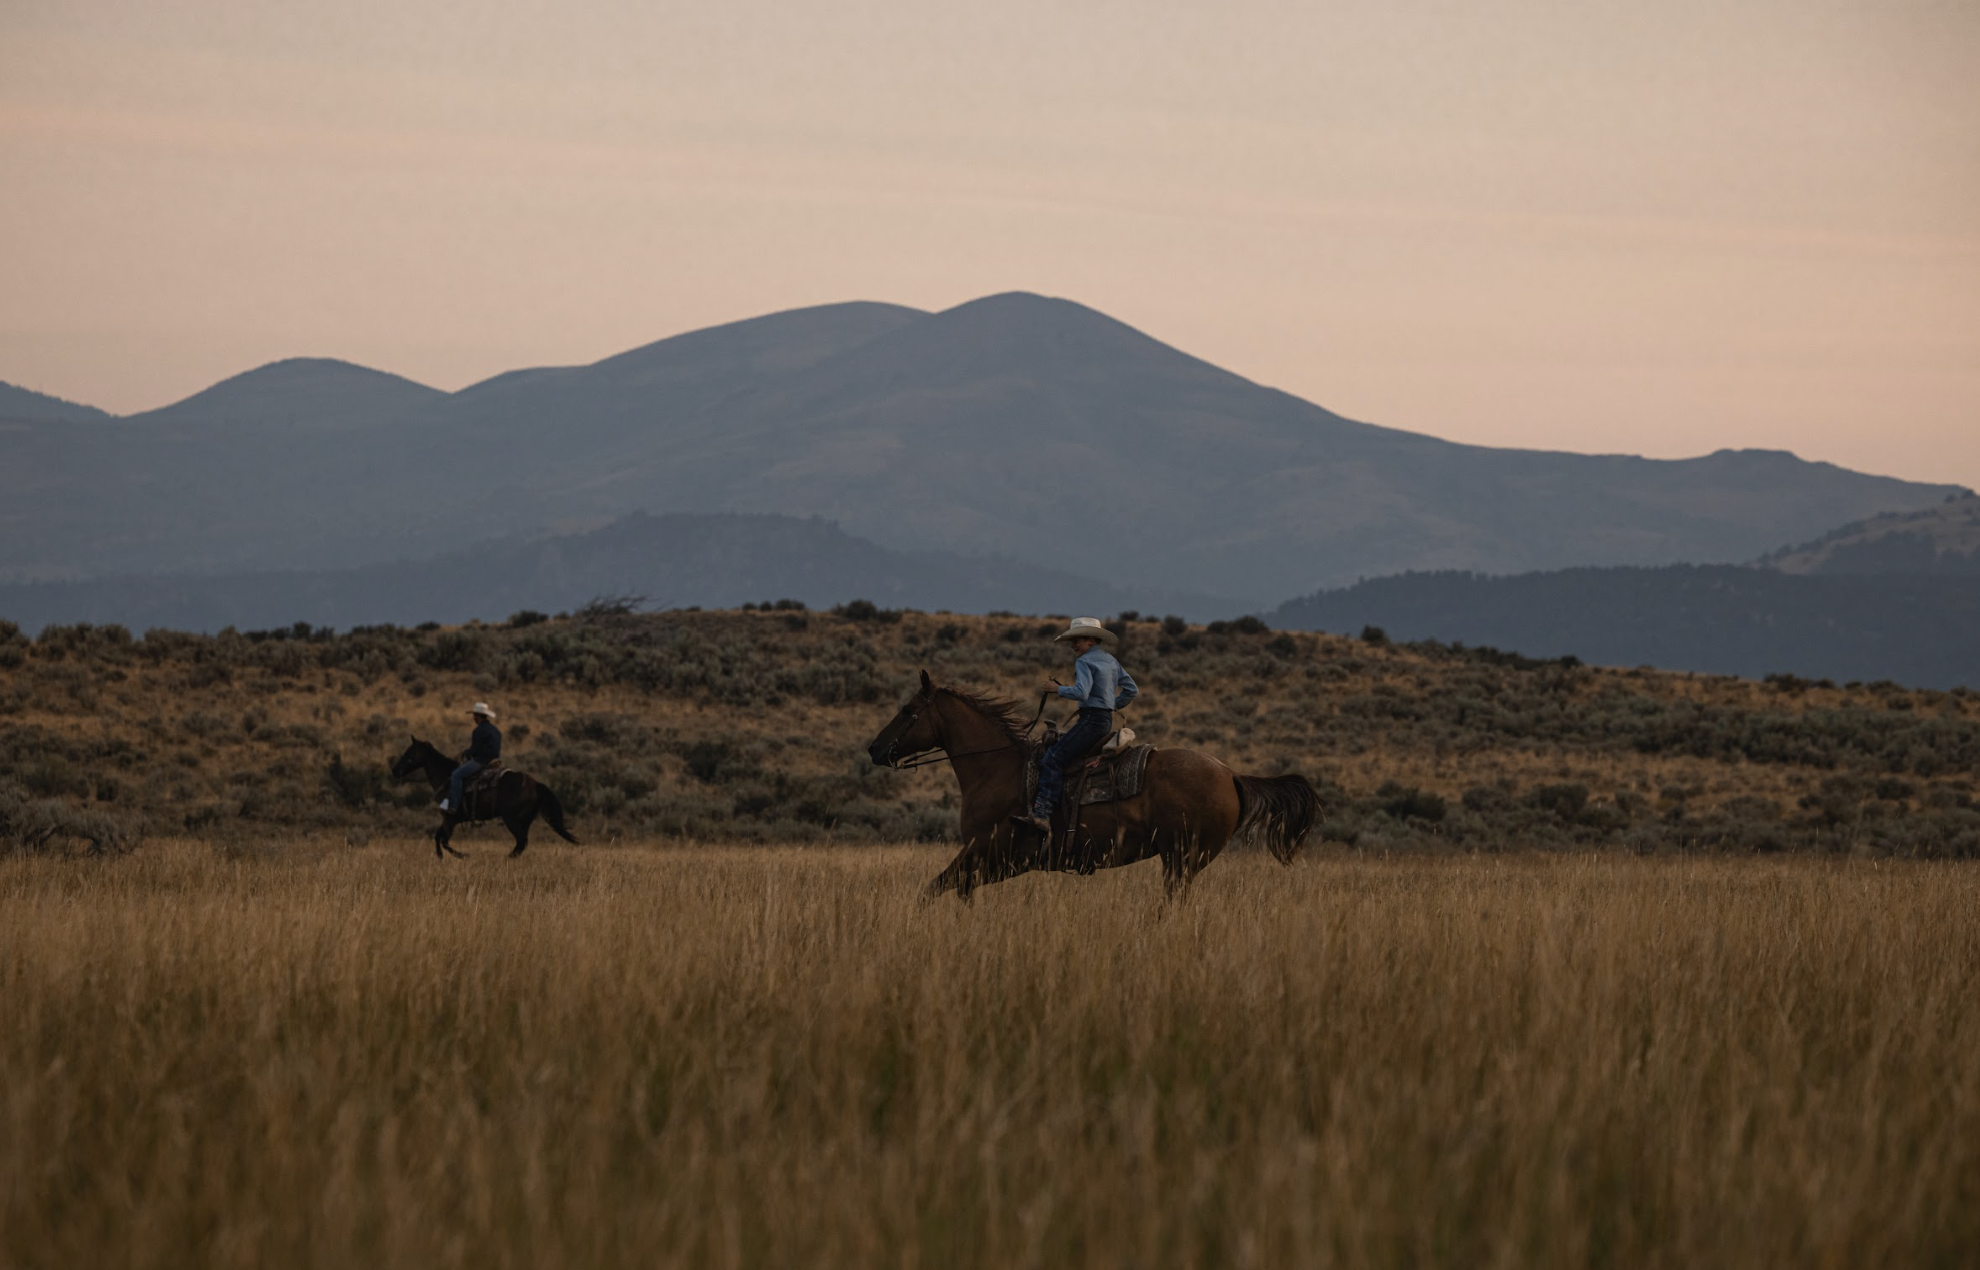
(1008, 715)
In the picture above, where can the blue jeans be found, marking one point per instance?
(1087, 731)
(460, 776)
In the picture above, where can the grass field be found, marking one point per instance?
(321, 1055)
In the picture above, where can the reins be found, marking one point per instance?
(946, 757)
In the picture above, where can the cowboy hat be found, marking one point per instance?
(482, 708)
(1086, 628)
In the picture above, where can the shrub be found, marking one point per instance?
(56, 826)
(1406, 802)
(1486, 799)
(1565, 800)
(605, 607)
(359, 786)
(715, 762)
(866, 611)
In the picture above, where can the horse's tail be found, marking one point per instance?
(553, 812)
(1280, 809)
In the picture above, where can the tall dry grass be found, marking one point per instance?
(735, 1057)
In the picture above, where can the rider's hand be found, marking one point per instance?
(1047, 691)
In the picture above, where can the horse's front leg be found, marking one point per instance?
(993, 857)
(949, 879)
(443, 840)
(963, 873)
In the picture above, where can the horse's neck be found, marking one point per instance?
(978, 747)
(438, 769)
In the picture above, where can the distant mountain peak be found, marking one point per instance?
(307, 391)
(1039, 315)
(1037, 338)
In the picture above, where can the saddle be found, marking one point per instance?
(478, 792)
(1112, 773)
(487, 778)
(1107, 775)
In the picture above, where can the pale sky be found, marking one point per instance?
(1573, 224)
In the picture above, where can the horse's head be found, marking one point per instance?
(414, 760)
(912, 730)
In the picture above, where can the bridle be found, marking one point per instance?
(917, 758)
(414, 761)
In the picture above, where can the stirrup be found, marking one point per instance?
(1026, 820)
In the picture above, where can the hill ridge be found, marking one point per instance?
(18, 403)
(1944, 539)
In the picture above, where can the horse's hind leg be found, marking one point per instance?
(519, 826)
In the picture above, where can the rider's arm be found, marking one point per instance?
(1126, 689)
(1082, 683)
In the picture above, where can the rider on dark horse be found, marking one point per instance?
(484, 747)
(1101, 686)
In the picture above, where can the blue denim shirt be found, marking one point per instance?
(1100, 682)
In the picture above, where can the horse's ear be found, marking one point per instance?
(927, 684)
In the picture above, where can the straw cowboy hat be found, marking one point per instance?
(482, 708)
(1086, 628)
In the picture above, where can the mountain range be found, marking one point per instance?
(1028, 430)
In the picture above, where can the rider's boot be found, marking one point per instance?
(1034, 820)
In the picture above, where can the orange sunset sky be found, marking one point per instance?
(1658, 229)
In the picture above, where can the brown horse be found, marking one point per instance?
(1190, 806)
(515, 798)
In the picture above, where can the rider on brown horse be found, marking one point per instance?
(484, 747)
(1101, 686)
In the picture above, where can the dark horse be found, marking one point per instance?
(516, 799)
(1190, 806)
